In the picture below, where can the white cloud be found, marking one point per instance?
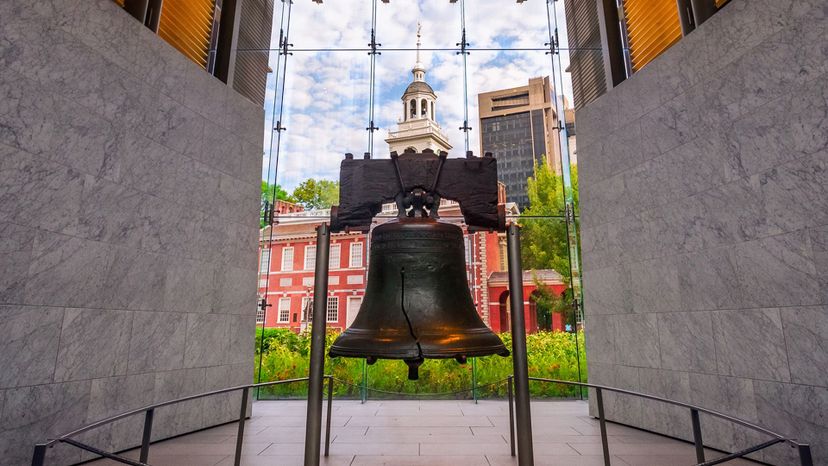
(326, 92)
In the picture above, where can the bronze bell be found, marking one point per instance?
(417, 302)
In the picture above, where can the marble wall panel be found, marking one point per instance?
(794, 410)
(806, 337)
(819, 243)
(636, 340)
(610, 290)
(761, 263)
(127, 176)
(686, 340)
(710, 193)
(66, 271)
(135, 280)
(207, 340)
(750, 343)
(33, 413)
(654, 285)
(600, 339)
(663, 417)
(709, 280)
(37, 193)
(95, 335)
(180, 417)
(15, 254)
(188, 286)
(28, 348)
(157, 341)
(795, 194)
(113, 395)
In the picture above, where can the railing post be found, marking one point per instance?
(474, 379)
(805, 458)
(313, 423)
(364, 381)
(599, 398)
(697, 435)
(328, 420)
(39, 456)
(511, 415)
(147, 437)
(242, 416)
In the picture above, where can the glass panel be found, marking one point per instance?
(345, 24)
(439, 24)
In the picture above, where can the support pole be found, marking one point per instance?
(599, 398)
(39, 456)
(511, 415)
(364, 388)
(697, 435)
(146, 438)
(240, 432)
(474, 379)
(328, 417)
(313, 425)
(519, 361)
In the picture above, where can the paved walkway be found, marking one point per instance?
(433, 433)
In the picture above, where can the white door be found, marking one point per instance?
(353, 307)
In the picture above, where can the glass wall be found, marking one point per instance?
(498, 71)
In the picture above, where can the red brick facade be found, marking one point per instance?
(286, 279)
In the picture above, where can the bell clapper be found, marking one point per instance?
(414, 367)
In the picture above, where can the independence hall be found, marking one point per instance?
(289, 250)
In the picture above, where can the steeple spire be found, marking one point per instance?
(419, 28)
(419, 70)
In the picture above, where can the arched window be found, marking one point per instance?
(424, 108)
(432, 112)
(413, 110)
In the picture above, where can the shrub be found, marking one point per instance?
(550, 355)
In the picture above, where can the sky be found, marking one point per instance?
(326, 93)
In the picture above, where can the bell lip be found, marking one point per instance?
(446, 354)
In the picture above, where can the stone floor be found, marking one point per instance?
(421, 433)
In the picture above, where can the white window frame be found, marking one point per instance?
(335, 258)
(264, 261)
(284, 307)
(332, 301)
(310, 256)
(355, 246)
(260, 314)
(287, 266)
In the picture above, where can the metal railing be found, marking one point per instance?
(803, 449)
(39, 456)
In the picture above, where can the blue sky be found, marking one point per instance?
(326, 94)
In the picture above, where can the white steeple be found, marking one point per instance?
(418, 128)
(419, 70)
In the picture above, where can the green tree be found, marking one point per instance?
(268, 193)
(544, 240)
(317, 194)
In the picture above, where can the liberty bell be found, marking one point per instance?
(417, 302)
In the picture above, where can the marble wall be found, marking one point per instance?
(129, 183)
(704, 197)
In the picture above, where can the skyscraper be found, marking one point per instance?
(519, 126)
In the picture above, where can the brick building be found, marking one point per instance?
(287, 260)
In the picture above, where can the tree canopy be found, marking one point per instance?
(317, 194)
(268, 192)
(544, 240)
